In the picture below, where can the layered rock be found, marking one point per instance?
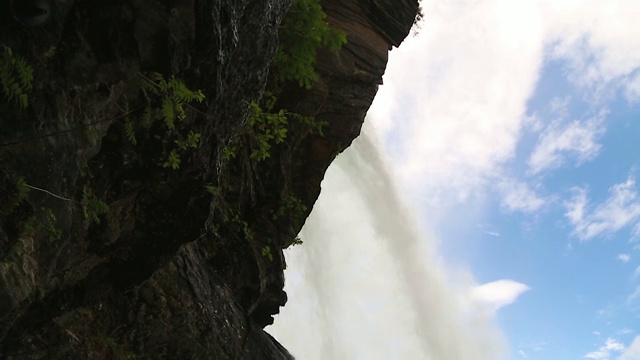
(188, 262)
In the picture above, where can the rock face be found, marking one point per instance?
(187, 260)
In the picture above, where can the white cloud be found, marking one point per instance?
(453, 108)
(605, 351)
(518, 196)
(454, 100)
(460, 92)
(633, 351)
(578, 139)
(624, 258)
(620, 209)
(499, 293)
(600, 43)
(631, 299)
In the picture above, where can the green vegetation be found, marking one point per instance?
(265, 129)
(173, 97)
(13, 189)
(49, 226)
(303, 31)
(16, 77)
(266, 252)
(43, 222)
(271, 132)
(92, 207)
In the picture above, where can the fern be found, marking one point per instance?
(191, 142)
(173, 161)
(266, 252)
(129, 132)
(21, 188)
(128, 125)
(16, 77)
(168, 112)
(92, 135)
(92, 207)
(174, 95)
(304, 31)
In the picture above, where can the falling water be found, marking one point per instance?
(366, 284)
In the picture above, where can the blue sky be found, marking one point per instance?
(509, 131)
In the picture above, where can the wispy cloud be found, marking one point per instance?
(600, 56)
(610, 347)
(499, 293)
(620, 209)
(560, 142)
(518, 196)
(624, 258)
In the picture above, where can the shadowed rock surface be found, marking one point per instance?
(187, 263)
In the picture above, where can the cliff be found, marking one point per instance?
(135, 219)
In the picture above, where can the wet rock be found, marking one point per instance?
(178, 267)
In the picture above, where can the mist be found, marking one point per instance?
(366, 284)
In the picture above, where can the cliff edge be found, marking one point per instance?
(140, 214)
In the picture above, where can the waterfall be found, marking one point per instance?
(366, 284)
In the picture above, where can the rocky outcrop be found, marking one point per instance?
(187, 262)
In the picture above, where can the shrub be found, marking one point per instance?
(304, 30)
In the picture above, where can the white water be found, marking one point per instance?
(366, 284)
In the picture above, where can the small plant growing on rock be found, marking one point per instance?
(16, 77)
(266, 252)
(92, 207)
(304, 30)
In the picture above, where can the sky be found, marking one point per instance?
(491, 208)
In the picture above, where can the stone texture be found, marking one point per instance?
(169, 272)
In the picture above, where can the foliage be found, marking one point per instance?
(291, 205)
(128, 124)
(129, 132)
(229, 152)
(266, 252)
(173, 160)
(16, 77)
(46, 223)
(192, 141)
(92, 135)
(174, 96)
(304, 30)
(92, 207)
(265, 128)
(13, 189)
(49, 226)
(21, 188)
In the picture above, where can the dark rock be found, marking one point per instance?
(31, 12)
(172, 270)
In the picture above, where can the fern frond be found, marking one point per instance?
(92, 135)
(168, 112)
(129, 132)
(16, 77)
(92, 207)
